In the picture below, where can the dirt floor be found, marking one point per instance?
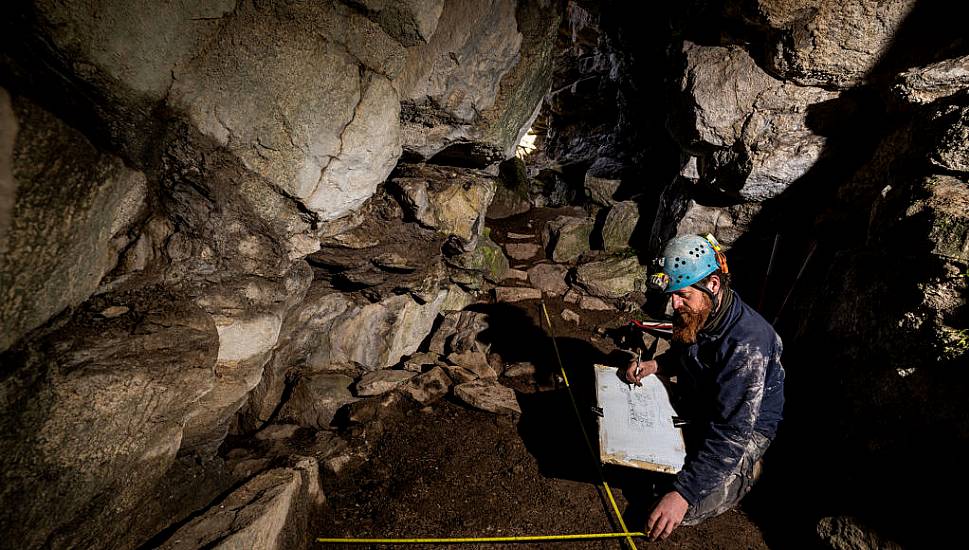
(450, 471)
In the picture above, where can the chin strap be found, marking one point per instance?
(713, 298)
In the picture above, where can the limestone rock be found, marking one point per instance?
(726, 223)
(831, 44)
(271, 511)
(591, 303)
(474, 361)
(619, 225)
(515, 275)
(566, 238)
(511, 196)
(847, 533)
(428, 387)
(601, 190)
(93, 415)
(923, 85)
(277, 431)
(488, 396)
(570, 316)
(758, 130)
(952, 152)
(521, 251)
(479, 79)
(549, 278)
(517, 293)
(410, 22)
(73, 207)
(377, 335)
(487, 260)
(517, 370)
(448, 199)
(329, 148)
(382, 381)
(611, 278)
(458, 332)
(248, 314)
(316, 399)
(458, 374)
(946, 208)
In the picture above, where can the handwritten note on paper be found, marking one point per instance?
(636, 427)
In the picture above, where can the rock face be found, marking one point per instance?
(72, 211)
(822, 43)
(272, 511)
(97, 413)
(479, 78)
(758, 131)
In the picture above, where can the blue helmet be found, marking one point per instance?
(686, 260)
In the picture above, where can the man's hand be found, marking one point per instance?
(637, 370)
(667, 515)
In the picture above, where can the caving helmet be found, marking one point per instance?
(685, 261)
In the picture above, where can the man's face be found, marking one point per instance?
(691, 308)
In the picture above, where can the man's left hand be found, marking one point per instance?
(667, 515)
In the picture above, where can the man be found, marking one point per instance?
(729, 379)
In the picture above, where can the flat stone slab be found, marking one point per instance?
(517, 293)
(549, 277)
(570, 316)
(516, 370)
(519, 236)
(382, 381)
(474, 361)
(488, 396)
(521, 251)
(515, 275)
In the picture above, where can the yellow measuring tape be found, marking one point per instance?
(532, 538)
(526, 538)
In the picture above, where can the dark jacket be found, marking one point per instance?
(733, 384)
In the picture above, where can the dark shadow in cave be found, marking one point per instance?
(548, 425)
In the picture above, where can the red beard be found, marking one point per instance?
(688, 322)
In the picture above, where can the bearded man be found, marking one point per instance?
(730, 384)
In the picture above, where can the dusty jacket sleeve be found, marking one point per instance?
(740, 389)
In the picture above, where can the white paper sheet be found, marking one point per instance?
(636, 428)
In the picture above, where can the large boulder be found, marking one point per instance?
(567, 237)
(754, 140)
(612, 277)
(448, 199)
(73, 208)
(316, 398)
(823, 42)
(272, 511)
(93, 415)
(480, 78)
(726, 223)
(619, 225)
(294, 107)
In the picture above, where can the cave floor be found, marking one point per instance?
(451, 471)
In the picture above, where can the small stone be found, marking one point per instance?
(570, 316)
(521, 251)
(460, 375)
(488, 396)
(572, 297)
(114, 311)
(516, 370)
(593, 304)
(549, 278)
(382, 381)
(519, 236)
(428, 387)
(515, 275)
(517, 294)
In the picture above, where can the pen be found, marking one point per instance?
(639, 355)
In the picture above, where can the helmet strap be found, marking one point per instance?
(712, 296)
